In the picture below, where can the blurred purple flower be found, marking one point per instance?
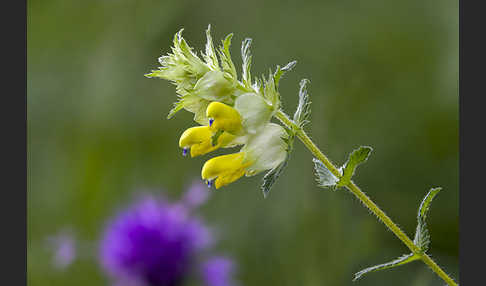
(63, 246)
(155, 243)
(218, 271)
(196, 195)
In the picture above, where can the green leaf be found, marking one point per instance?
(324, 177)
(425, 204)
(185, 56)
(422, 237)
(246, 56)
(225, 56)
(177, 106)
(356, 158)
(279, 72)
(397, 262)
(270, 86)
(270, 91)
(289, 140)
(210, 55)
(154, 73)
(271, 177)
(302, 114)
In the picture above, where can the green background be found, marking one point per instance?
(383, 74)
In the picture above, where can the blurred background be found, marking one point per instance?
(383, 74)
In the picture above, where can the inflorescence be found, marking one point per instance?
(230, 112)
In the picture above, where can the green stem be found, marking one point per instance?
(351, 186)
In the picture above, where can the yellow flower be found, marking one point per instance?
(223, 117)
(225, 169)
(262, 152)
(199, 140)
(247, 124)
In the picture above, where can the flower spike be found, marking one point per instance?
(230, 112)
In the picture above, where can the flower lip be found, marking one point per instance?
(199, 140)
(224, 117)
(194, 135)
(225, 169)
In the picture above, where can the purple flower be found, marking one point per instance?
(157, 243)
(63, 246)
(218, 271)
(196, 195)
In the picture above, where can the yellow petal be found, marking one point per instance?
(195, 135)
(198, 139)
(225, 169)
(228, 179)
(223, 117)
(203, 148)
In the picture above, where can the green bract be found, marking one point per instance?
(254, 110)
(266, 149)
(214, 86)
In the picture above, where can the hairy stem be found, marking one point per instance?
(353, 188)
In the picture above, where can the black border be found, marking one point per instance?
(471, 142)
(13, 212)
